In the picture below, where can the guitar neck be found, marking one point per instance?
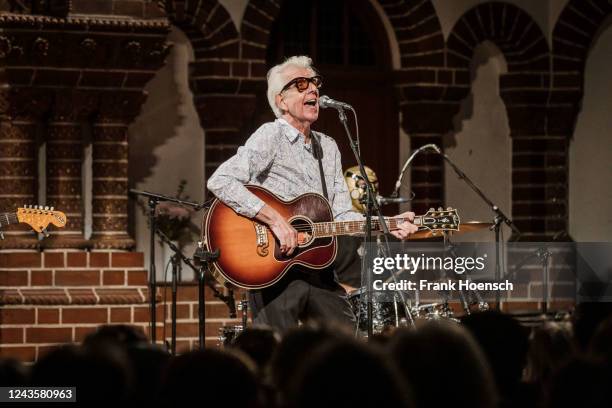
(330, 229)
(8, 218)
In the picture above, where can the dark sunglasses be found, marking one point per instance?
(302, 83)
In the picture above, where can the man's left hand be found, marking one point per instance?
(405, 228)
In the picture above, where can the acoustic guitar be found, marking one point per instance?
(250, 255)
(36, 216)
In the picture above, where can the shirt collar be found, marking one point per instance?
(289, 131)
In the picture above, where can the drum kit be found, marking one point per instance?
(389, 311)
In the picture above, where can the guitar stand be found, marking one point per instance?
(203, 258)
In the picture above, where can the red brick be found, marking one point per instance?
(42, 351)
(113, 278)
(81, 332)
(82, 296)
(137, 278)
(183, 311)
(186, 293)
(11, 335)
(185, 329)
(99, 259)
(17, 316)
(121, 315)
(78, 259)
(214, 310)
(13, 278)
(48, 334)
(120, 296)
(20, 260)
(77, 278)
(45, 296)
(159, 332)
(41, 278)
(48, 316)
(54, 259)
(141, 314)
(24, 354)
(84, 315)
(182, 346)
(127, 259)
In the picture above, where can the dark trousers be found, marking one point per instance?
(301, 297)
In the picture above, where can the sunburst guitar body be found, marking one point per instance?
(250, 255)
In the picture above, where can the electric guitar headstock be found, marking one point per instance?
(440, 220)
(39, 217)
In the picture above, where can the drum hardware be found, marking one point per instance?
(243, 306)
(544, 256)
(228, 334)
(499, 218)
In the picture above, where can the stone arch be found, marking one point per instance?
(573, 36)
(539, 183)
(519, 38)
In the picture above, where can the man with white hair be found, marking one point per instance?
(282, 156)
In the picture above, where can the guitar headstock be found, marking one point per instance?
(39, 217)
(441, 220)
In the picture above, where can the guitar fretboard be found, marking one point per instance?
(8, 218)
(330, 229)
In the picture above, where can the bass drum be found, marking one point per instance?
(387, 311)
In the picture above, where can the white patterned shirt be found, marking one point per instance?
(277, 158)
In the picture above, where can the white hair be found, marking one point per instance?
(277, 79)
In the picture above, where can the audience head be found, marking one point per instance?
(346, 372)
(444, 366)
(219, 377)
(258, 343)
(504, 342)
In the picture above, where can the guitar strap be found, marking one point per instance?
(318, 151)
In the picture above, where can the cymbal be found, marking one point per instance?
(474, 226)
(469, 226)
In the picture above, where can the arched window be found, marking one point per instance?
(331, 32)
(349, 46)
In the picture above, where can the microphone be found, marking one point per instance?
(398, 183)
(391, 200)
(327, 102)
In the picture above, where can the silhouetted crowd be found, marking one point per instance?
(488, 360)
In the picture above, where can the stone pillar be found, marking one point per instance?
(64, 161)
(20, 111)
(110, 166)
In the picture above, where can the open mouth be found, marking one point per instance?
(311, 102)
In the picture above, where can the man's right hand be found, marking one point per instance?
(284, 232)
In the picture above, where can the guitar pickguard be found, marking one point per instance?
(262, 239)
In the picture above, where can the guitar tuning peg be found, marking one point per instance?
(431, 209)
(449, 208)
(46, 208)
(45, 232)
(440, 209)
(51, 209)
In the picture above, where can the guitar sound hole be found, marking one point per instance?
(304, 229)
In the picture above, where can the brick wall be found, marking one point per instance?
(54, 297)
(48, 298)
(41, 291)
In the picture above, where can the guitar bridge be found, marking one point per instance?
(261, 232)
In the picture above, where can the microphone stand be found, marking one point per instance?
(204, 256)
(371, 205)
(499, 218)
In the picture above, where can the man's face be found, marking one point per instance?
(301, 106)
